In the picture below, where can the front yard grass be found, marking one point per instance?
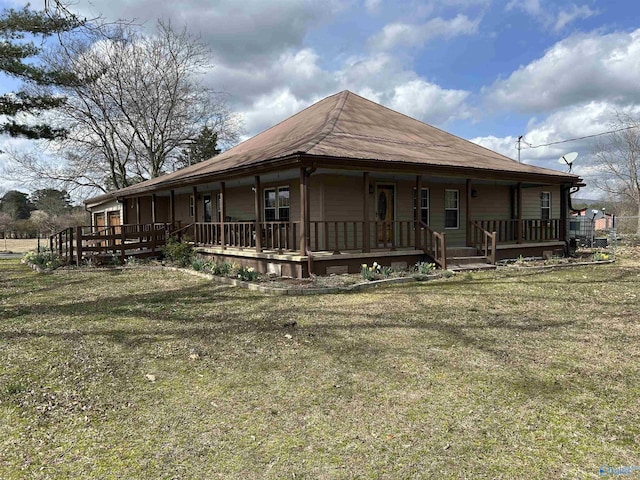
(156, 374)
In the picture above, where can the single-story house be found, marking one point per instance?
(348, 181)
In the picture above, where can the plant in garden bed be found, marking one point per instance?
(198, 264)
(180, 253)
(248, 274)
(375, 271)
(601, 256)
(44, 259)
(425, 268)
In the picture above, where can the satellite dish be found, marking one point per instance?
(568, 159)
(595, 214)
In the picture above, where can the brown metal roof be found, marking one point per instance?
(347, 126)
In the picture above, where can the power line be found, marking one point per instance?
(580, 138)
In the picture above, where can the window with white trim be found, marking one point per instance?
(424, 204)
(451, 209)
(277, 204)
(545, 205)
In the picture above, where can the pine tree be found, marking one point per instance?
(18, 30)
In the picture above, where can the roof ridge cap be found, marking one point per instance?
(330, 124)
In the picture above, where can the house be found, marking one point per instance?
(600, 219)
(347, 181)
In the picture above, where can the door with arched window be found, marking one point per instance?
(385, 214)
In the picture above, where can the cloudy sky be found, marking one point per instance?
(486, 70)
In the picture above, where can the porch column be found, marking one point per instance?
(138, 213)
(563, 212)
(125, 211)
(172, 206)
(223, 213)
(304, 220)
(258, 213)
(195, 204)
(468, 212)
(153, 208)
(418, 212)
(519, 214)
(366, 232)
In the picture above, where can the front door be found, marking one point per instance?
(113, 219)
(385, 214)
(207, 208)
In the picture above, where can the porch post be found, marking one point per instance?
(304, 192)
(172, 206)
(138, 213)
(418, 213)
(223, 213)
(195, 204)
(468, 212)
(125, 211)
(366, 233)
(258, 213)
(153, 208)
(519, 215)
(563, 213)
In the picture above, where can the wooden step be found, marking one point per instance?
(470, 267)
(461, 252)
(467, 260)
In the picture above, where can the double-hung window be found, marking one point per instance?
(451, 209)
(424, 204)
(276, 204)
(545, 205)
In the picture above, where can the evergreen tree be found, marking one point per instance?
(204, 147)
(53, 202)
(16, 204)
(16, 55)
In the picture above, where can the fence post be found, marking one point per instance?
(78, 246)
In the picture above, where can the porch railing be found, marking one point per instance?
(487, 243)
(77, 243)
(517, 231)
(435, 244)
(280, 236)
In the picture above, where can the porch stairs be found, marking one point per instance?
(467, 258)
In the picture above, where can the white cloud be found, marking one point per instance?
(401, 34)
(372, 6)
(566, 17)
(550, 14)
(578, 69)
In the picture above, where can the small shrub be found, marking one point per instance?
(131, 261)
(424, 268)
(248, 274)
(223, 268)
(180, 253)
(44, 259)
(198, 264)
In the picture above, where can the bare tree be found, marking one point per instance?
(618, 162)
(139, 101)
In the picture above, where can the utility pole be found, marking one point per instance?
(519, 147)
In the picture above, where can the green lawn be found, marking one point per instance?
(160, 375)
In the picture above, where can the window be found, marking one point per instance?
(545, 205)
(424, 204)
(191, 206)
(451, 209)
(276, 204)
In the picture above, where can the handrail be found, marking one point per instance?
(488, 243)
(437, 246)
(180, 230)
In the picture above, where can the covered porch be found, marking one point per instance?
(329, 221)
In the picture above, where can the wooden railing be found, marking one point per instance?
(75, 244)
(487, 243)
(340, 236)
(62, 243)
(280, 236)
(435, 244)
(517, 231)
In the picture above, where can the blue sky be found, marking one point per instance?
(485, 70)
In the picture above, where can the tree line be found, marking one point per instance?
(43, 212)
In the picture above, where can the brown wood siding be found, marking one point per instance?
(493, 202)
(145, 209)
(531, 202)
(182, 209)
